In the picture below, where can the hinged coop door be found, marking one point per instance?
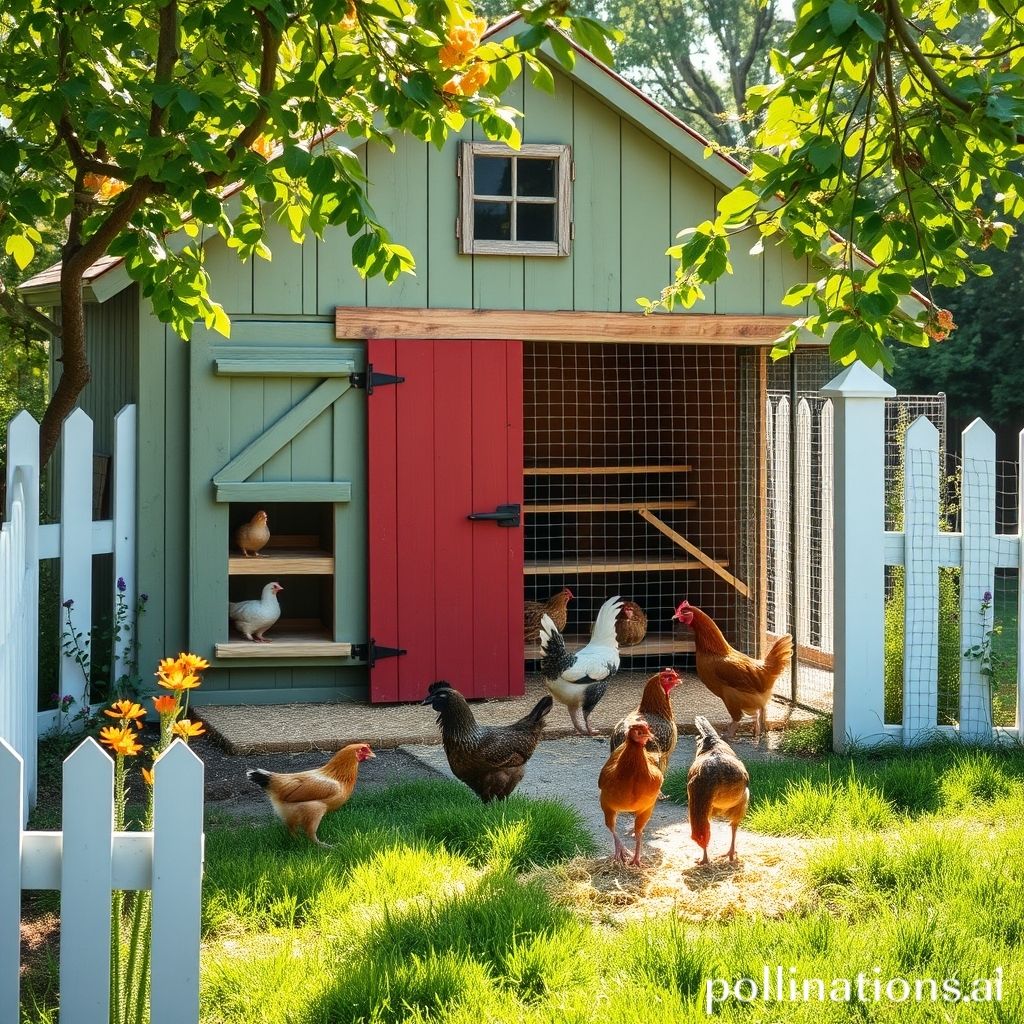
(445, 444)
(274, 428)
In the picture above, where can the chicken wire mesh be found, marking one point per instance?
(641, 479)
(800, 571)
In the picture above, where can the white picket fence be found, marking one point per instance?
(87, 861)
(74, 540)
(813, 492)
(863, 549)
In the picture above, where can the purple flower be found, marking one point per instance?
(54, 696)
(121, 585)
(987, 597)
(69, 603)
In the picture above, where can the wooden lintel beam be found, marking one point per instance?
(707, 560)
(365, 322)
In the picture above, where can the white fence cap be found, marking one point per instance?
(858, 381)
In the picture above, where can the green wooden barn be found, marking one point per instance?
(513, 378)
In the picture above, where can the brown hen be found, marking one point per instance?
(742, 683)
(252, 537)
(656, 709)
(631, 625)
(717, 786)
(557, 607)
(630, 781)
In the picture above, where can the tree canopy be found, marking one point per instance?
(126, 121)
(882, 124)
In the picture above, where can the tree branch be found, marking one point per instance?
(81, 159)
(166, 59)
(18, 309)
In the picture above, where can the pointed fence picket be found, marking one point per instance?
(87, 861)
(863, 550)
(74, 539)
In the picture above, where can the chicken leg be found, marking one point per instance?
(639, 824)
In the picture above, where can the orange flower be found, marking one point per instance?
(121, 740)
(177, 679)
(103, 186)
(125, 709)
(474, 78)
(166, 665)
(350, 21)
(165, 704)
(945, 318)
(192, 663)
(452, 85)
(263, 145)
(147, 776)
(461, 42)
(185, 728)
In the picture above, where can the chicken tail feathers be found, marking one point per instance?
(258, 775)
(779, 656)
(603, 634)
(540, 711)
(707, 735)
(555, 658)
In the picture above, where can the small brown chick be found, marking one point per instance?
(252, 537)
(631, 625)
(301, 799)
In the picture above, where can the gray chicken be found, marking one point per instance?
(490, 759)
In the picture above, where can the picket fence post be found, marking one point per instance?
(11, 823)
(858, 397)
(86, 882)
(977, 575)
(802, 479)
(827, 530)
(123, 513)
(76, 547)
(920, 580)
(177, 886)
(780, 487)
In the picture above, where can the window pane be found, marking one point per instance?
(536, 222)
(492, 176)
(492, 220)
(536, 177)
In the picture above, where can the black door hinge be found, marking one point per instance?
(371, 380)
(371, 653)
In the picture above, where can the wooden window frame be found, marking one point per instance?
(561, 246)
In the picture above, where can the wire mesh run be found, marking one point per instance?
(641, 480)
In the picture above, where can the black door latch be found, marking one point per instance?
(503, 515)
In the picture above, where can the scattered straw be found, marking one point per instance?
(765, 881)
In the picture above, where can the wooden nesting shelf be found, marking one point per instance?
(545, 567)
(287, 640)
(283, 562)
(610, 506)
(600, 470)
(653, 643)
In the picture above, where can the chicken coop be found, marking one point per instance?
(504, 424)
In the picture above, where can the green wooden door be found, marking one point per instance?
(276, 427)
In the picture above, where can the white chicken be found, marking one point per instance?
(580, 680)
(253, 618)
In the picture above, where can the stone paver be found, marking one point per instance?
(284, 728)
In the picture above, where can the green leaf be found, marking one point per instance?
(21, 249)
(736, 206)
(842, 14)
(871, 24)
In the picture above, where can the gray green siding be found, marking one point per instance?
(631, 196)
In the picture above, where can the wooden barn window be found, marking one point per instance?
(516, 202)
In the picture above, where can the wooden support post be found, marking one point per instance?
(858, 397)
(704, 559)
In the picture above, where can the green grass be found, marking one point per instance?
(421, 913)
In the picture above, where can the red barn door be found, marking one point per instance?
(443, 444)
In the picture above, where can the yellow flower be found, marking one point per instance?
(474, 78)
(126, 710)
(177, 679)
(461, 42)
(121, 740)
(185, 728)
(147, 776)
(166, 665)
(192, 663)
(165, 704)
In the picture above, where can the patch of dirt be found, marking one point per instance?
(40, 940)
(766, 880)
